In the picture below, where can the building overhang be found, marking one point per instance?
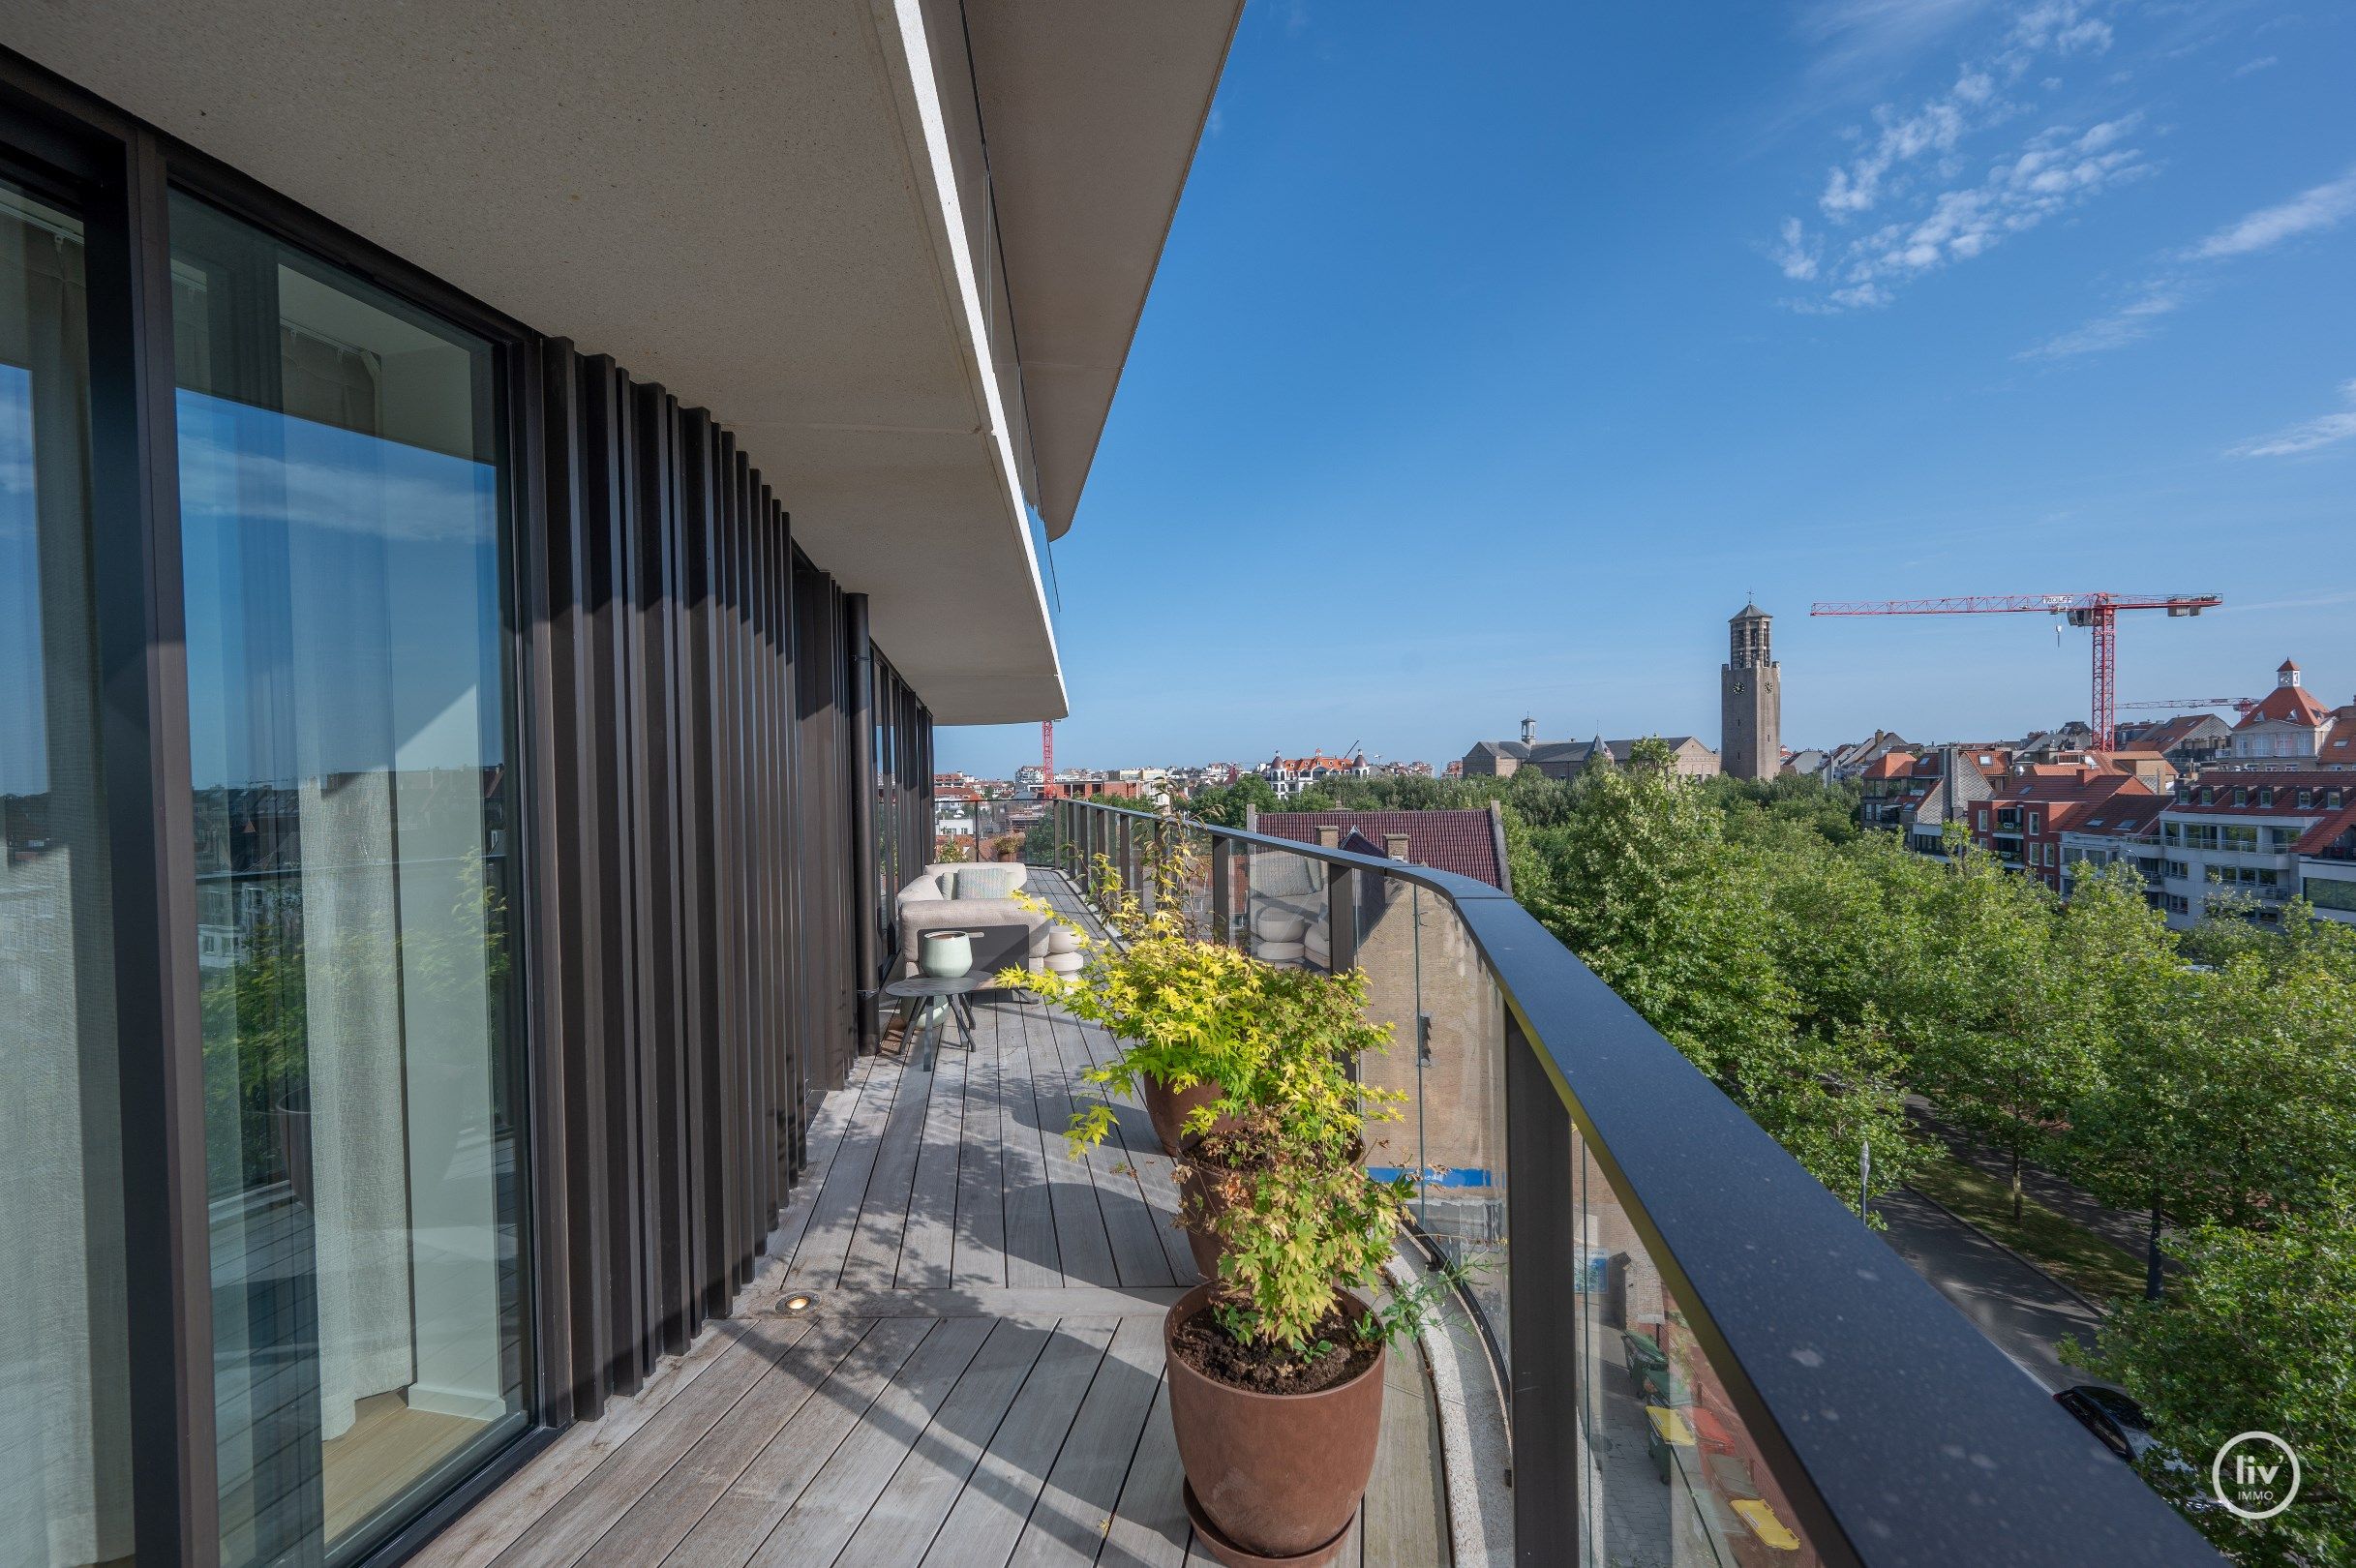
(903, 271)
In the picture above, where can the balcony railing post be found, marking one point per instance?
(1148, 861)
(1542, 1283)
(1341, 917)
(1223, 890)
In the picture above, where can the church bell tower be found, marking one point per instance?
(1750, 700)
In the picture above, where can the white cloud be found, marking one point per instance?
(2253, 67)
(1937, 126)
(2056, 169)
(1912, 167)
(2131, 323)
(2326, 431)
(2061, 26)
(2319, 209)
(1795, 252)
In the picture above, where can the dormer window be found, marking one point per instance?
(2208, 796)
(2307, 798)
(2331, 798)
(2266, 795)
(2241, 795)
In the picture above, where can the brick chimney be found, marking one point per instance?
(1329, 835)
(1395, 845)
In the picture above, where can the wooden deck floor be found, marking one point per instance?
(980, 1381)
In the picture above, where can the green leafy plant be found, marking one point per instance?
(2257, 1333)
(1188, 1011)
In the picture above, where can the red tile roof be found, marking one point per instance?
(2285, 786)
(2321, 838)
(2341, 746)
(1890, 764)
(2290, 704)
(2054, 784)
(2129, 815)
(2170, 733)
(1464, 842)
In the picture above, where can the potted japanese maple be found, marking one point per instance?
(1276, 1367)
(1291, 1106)
(1185, 1011)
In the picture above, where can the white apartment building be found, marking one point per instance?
(2326, 865)
(2242, 832)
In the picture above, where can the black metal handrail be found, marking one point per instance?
(1903, 1437)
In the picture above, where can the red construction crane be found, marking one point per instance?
(2099, 613)
(1046, 755)
(2181, 704)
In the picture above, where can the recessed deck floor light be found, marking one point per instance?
(800, 1301)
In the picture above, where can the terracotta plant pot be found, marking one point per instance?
(1272, 1478)
(1196, 1205)
(1168, 1108)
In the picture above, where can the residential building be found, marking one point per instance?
(2026, 818)
(2054, 746)
(1288, 777)
(1567, 759)
(1471, 843)
(2327, 861)
(2188, 742)
(2286, 728)
(1807, 763)
(2125, 828)
(1077, 786)
(1886, 786)
(1917, 794)
(2237, 833)
(1844, 763)
(516, 490)
(1750, 698)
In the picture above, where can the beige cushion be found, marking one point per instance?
(986, 882)
(1279, 924)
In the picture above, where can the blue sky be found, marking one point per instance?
(1499, 351)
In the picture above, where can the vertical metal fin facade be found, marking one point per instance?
(701, 897)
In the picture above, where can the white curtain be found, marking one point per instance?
(64, 1397)
(359, 1171)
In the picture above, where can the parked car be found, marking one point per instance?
(2117, 1420)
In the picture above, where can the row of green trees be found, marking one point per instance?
(1821, 975)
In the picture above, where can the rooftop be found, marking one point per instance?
(1467, 843)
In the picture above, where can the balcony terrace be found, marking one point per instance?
(979, 1377)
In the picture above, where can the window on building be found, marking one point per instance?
(2208, 796)
(65, 1492)
(2306, 799)
(340, 497)
(2266, 795)
(2241, 795)
(2037, 822)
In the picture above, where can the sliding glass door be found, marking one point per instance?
(64, 1397)
(340, 506)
